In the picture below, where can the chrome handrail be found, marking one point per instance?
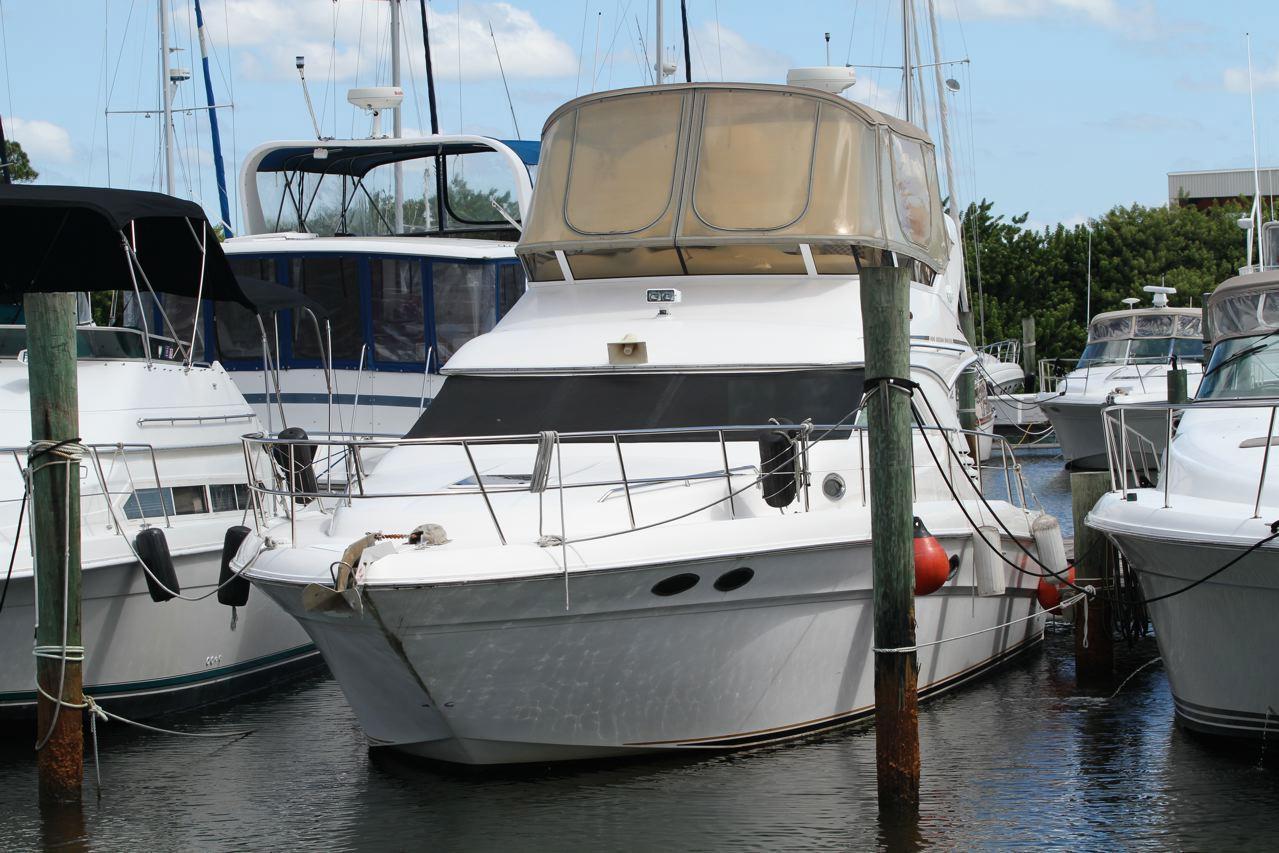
(1119, 451)
(285, 489)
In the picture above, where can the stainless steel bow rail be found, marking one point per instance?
(1008, 350)
(1134, 461)
(284, 495)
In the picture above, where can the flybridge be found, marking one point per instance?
(729, 178)
(452, 185)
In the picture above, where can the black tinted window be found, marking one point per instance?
(510, 285)
(238, 333)
(334, 282)
(399, 324)
(465, 301)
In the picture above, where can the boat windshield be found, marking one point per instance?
(1242, 367)
(523, 405)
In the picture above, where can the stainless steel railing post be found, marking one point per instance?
(1265, 463)
(728, 477)
(484, 493)
(626, 485)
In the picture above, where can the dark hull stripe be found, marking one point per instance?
(846, 718)
(1225, 722)
(177, 682)
(322, 399)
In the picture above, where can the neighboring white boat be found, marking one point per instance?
(1204, 536)
(163, 453)
(587, 546)
(1126, 362)
(402, 293)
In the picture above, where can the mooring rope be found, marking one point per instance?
(908, 649)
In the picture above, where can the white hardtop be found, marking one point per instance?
(430, 247)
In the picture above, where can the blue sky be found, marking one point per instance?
(1067, 107)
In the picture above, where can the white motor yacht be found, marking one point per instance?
(1126, 361)
(404, 285)
(163, 460)
(636, 517)
(1202, 540)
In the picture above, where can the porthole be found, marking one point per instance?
(833, 487)
(735, 579)
(675, 584)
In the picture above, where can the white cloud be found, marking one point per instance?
(44, 141)
(1236, 79)
(351, 41)
(886, 99)
(1110, 14)
(741, 60)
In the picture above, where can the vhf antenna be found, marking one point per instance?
(300, 62)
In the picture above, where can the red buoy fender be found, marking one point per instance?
(932, 566)
(1049, 591)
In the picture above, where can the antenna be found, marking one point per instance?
(509, 102)
(300, 63)
(1131, 301)
(828, 48)
(1256, 167)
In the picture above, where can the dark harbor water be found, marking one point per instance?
(1018, 760)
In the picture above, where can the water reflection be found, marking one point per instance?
(1018, 760)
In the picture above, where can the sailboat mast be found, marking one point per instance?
(167, 93)
(906, 56)
(657, 45)
(398, 125)
(1256, 164)
(219, 168)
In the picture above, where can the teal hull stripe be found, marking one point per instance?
(98, 691)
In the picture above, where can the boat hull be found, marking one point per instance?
(1217, 639)
(144, 657)
(1079, 430)
(527, 670)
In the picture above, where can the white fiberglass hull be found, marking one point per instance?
(504, 672)
(144, 657)
(1218, 639)
(1079, 428)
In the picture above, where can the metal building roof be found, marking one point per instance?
(1220, 183)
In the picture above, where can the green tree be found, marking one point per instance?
(1043, 274)
(19, 164)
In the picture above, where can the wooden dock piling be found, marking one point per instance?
(55, 525)
(885, 300)
(1096, 563)
(1029, 367)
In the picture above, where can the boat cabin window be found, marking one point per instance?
(506, 405)
(1242, 367)
(186, 500)
(1143, 339)
(389, 312)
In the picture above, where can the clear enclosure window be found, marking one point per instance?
(911, 190)
(755, 160)
(1110, 328)
(1104, 352)
(465, 302)
(334, 282)
(622, 169)
(1242, 367)
(1148, 349)
(1155, 325)
(399, 322)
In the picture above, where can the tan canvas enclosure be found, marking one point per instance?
(710, 179)
(1244, 305)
